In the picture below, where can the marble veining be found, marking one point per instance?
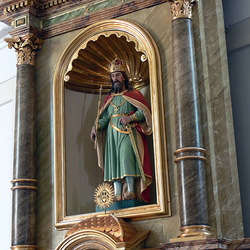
(24, 192)
(191, 172)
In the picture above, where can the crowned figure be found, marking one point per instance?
(124, 121)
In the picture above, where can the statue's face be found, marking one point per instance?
(118, 81)
(117, 77)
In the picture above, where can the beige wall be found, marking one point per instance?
(222, 178)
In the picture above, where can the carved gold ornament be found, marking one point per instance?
(89, 67)
(106, 232)
(30, 3)
(182, 8)
(25, 48)
(104, 196)
(116, 65)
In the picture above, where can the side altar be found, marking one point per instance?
(175, 55)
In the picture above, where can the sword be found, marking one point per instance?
(132, 139)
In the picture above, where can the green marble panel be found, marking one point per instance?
(63, 17)
(102, 5)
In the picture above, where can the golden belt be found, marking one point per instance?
(116, 128)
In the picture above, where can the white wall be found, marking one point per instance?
(7, 108)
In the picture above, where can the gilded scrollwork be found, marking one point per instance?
(182, 8)
(119, 43)
(25, 48)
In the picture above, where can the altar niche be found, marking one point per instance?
(82, 69)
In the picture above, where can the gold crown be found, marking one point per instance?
(116, 65)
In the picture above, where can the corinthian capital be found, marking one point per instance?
(25, 47)
(181, 8)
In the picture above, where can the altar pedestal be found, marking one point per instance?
(209, 244)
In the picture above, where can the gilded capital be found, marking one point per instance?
(25, 47)
(181, 8)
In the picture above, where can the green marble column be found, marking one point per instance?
(190, 154)
(24, 174)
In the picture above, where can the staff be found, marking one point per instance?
(98, 115)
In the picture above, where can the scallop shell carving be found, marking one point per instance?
(90, 69)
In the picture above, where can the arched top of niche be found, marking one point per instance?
(136, 41)
(88, 68)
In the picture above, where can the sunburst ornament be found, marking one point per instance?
(104, 195)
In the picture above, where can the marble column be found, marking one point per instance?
(24, 174)
(190, 154)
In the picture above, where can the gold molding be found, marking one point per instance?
(144, 42)
(35, 4)
(195, 230)
(24, 247)
(102, 232)
(93, 239)
(181, 8)
(24, 187)
(20, 5)
(108, 224)
(181, 150)
(25, 48)
(53, 3)
(24, 180)
(20, 21)
(190, 157)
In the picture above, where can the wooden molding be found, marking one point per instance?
(48, 9)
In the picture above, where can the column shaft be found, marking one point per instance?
(190, 156)
(24, 176)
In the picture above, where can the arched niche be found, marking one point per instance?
(88, 68)
(81, 70)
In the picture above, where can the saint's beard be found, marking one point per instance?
(117, 86)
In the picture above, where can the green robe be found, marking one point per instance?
(120, 160)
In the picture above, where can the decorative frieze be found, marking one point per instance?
(54, 17)
(30, 3)
(25, 48)
(182, 8)
(19, 5)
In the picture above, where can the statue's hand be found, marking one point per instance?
(125, 120)
(93, 134)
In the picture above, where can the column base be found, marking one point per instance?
(194, 232)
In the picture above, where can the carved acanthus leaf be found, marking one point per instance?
(182, 8)
(25, 48)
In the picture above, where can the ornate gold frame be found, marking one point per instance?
(144, 43)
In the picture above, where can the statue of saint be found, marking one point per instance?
(125, 119)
